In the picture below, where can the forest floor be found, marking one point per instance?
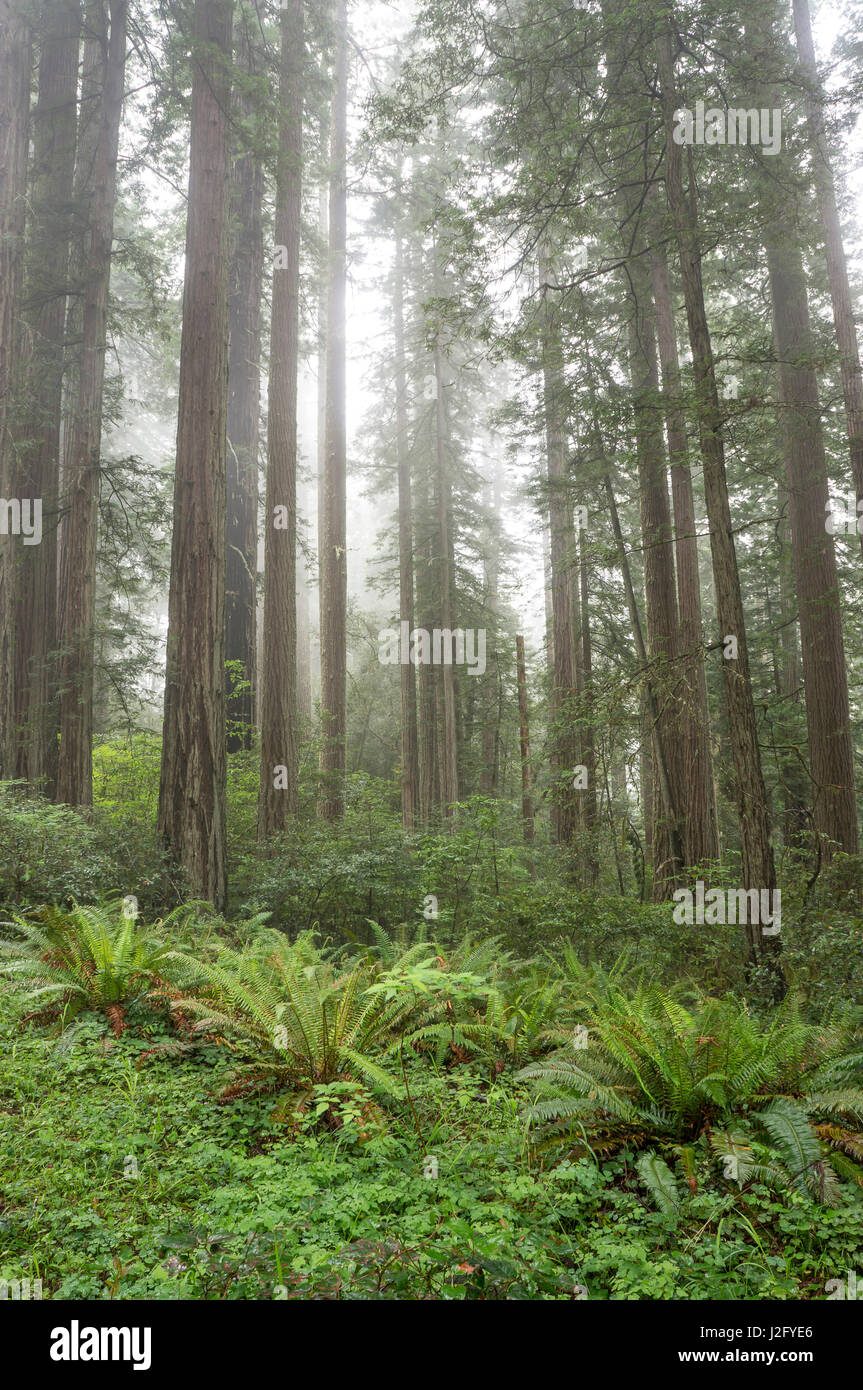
(409, 1161)
(124, 1177)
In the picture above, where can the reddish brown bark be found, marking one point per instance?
(834, 250)
(700, 835)
(566, 752)
(448, 753)
(333, 549)
(752, 806)
(245, 283)
(193, 776)
(15, 61)
(106, 32)
(408, 727)
(277, 797)
(659, 579)
(825, 673)
(34, 619)
(527, 817)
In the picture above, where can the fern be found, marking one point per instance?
(91, 958)
(660, 1183)
(682, 1073)
(792, 1136)
(299, 1017)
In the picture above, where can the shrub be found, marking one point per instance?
(51, 854)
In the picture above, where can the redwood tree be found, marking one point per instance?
(409, 748)
(192, 787)
(37, 474)
(15, 47)
(699, 828)
(834, 250)
(825, 672)
(245, 281)
(277, 797)
(565, 745)
(103, 85)
(333, 544)
(752, 806)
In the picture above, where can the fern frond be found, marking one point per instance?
(660, 1182)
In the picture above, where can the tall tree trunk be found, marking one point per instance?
(752, 806)
(645, 777)
(90, 125)
(321, 401)
(825, 671)
(193, 776)
(825, 676)
(700, 836)
(834, 250)
(566, 754)
(245, 280)
(425, 553)
(409, 748)
(304, 624)
(426, 706)
(657, 732)
(613, 811)
(527, 818)
(15, 72)
(443, 492)
(106, 26)
(489, 771)
(630, 144)
(547, 592)
(277, 797)
(659, 580)
(48, 251)
(588, 750)
(334, 555)
(791, 770)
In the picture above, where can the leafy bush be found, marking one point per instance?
(50, 853)
(822, 930)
